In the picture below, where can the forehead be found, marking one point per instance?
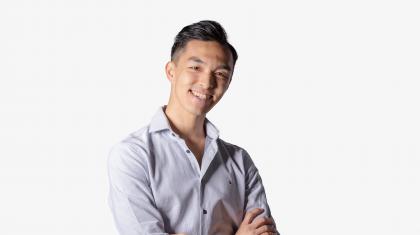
(210, 51)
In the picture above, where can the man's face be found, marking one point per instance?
(200, 76)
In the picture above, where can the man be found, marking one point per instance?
(176, 175)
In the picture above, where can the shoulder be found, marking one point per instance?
(237, 154)
(131, 150)
(128, 160)
(231, 148)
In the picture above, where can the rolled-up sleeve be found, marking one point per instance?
(130, 196)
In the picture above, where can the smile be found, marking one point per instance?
(200, 95)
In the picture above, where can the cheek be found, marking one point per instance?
(183, 81)
(187, 79)
(219, 92)
(187, 75)
(222, 86)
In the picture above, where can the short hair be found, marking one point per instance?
(205, 30)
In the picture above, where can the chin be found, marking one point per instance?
(198, 108)
(198, 111)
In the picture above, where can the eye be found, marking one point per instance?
(221, 75)
(194, 67)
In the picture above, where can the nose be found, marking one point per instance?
(207, 81)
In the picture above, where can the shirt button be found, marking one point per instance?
(188, 151)
(204, 212)
(173, 134)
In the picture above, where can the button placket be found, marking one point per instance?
(191, 158)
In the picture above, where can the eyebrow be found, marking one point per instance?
(198, 60)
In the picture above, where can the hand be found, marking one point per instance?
(263, 225)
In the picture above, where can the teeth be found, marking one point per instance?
(200, 96)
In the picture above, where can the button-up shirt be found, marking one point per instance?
(158, 187)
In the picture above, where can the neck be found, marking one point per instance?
(187, 125)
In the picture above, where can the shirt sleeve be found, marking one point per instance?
(255, 196)
(130, 196)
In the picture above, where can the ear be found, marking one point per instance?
(170, 70)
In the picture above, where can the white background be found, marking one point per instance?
(325, 97)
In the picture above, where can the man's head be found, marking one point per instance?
(201, 67)
(205, 30)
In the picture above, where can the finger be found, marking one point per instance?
(262, 221)
(250, 215)
(266, 229)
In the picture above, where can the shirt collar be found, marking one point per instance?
(160, 122)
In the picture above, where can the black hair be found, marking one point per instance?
(205, 30)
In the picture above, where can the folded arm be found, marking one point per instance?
(258, 219)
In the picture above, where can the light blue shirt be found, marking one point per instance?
(158, 187)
